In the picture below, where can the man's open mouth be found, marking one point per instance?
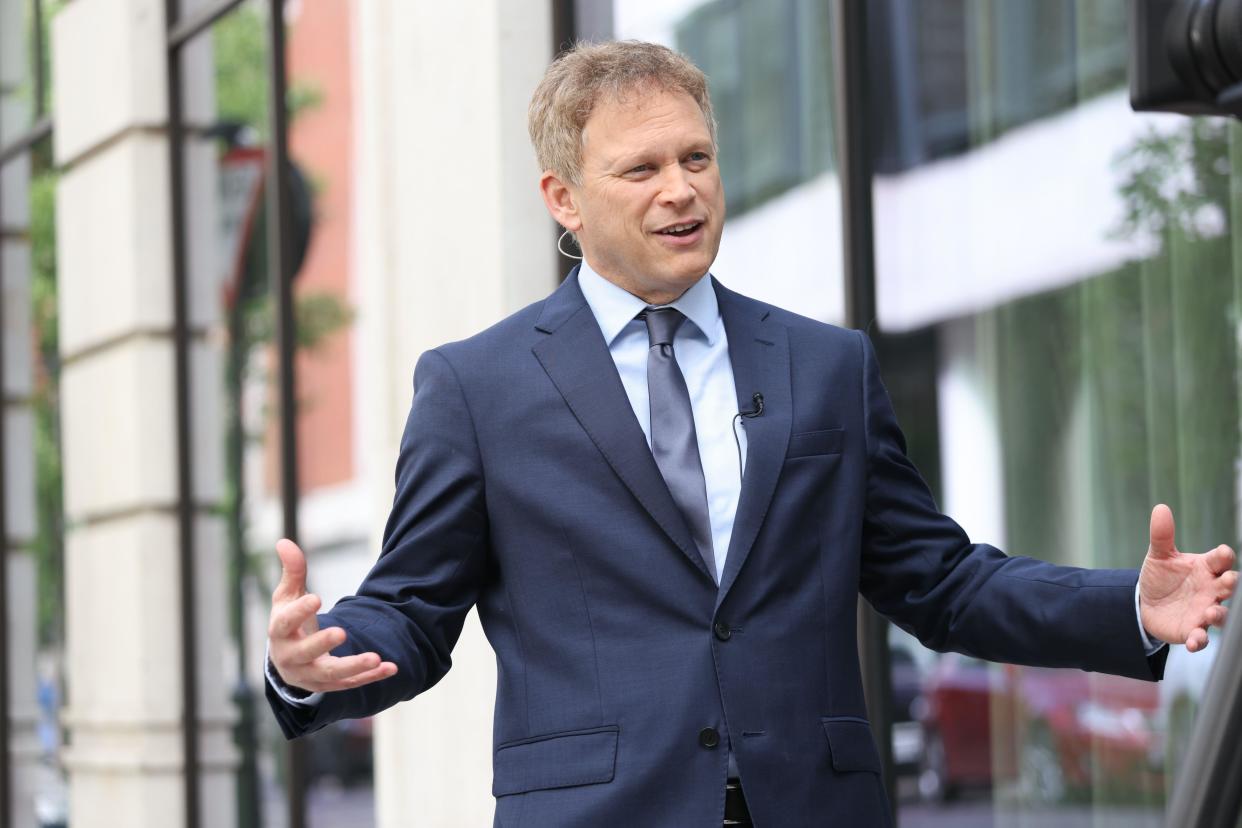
(681, 229)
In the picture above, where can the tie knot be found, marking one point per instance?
(662, 325)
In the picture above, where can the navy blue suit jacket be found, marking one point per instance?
(524, 485)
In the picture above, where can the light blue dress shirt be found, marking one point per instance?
(702, 351)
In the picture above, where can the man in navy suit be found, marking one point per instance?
(664, 499)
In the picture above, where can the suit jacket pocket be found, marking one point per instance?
(811, 443)
(555, 760)
(851, 744)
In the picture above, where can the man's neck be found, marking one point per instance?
(656, 298)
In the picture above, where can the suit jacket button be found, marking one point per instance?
(722, 631)
(709, 738)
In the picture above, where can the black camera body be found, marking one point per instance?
(1186, 56)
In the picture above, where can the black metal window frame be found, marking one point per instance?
(856, 170)
(39, 130)
(179, 32)
(280, 264)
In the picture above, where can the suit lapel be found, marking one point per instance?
(759, 351)
(577, 360)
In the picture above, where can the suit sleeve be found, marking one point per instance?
(921, 570)
(411, 606)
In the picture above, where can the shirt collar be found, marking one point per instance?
(614, 307)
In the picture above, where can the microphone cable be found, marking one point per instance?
(757, 401)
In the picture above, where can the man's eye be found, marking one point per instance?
(641, 168)
(699, 156)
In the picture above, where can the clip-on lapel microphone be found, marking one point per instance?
(757, 401)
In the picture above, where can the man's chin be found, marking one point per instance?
(690, 270)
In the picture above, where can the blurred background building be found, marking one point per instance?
(1056, 289)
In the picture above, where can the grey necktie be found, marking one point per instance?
(673, 439)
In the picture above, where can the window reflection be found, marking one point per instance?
(986, 743)
(771, 82)
(1107, 382)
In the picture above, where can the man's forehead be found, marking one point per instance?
(632, 102)
(635, 93)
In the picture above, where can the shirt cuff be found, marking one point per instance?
(291, 694)
(1151, 644)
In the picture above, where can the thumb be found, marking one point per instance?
(293, 572)
(1162, 545)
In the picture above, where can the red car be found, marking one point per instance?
(1047, 732)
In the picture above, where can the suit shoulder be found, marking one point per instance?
(805, 325)
(802, 328)
(496, 353)
(489, 345)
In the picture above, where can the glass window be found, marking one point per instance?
(32, 545)
(771, 83)
(1086, 274)
(951, 74)
(769, 67)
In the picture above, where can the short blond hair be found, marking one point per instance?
(576, 82)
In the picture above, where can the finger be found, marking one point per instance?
(1226, 584)
(328, 672)
(288, 618)
(292, 572)
(1162, 544)
(1220, 559)
(385, 670)
(312, 647)
(1215, 616)
(1197, 640)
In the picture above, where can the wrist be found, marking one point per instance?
(279, 681)
(1151, 643)
(290, 693)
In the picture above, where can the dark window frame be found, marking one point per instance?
(40, 130)
(181, 30)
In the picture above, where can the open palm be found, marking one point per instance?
(1180, 593)
(299, 650)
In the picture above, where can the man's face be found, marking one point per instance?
(650, 208)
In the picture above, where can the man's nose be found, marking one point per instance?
(676, 187)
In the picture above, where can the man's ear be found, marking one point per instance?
(560, 201)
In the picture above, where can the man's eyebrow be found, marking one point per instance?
(636, 157)
(628, 159)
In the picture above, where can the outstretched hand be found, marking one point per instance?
(299, 650)
(1180, 593)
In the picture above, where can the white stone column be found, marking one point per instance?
(119, 430)
(972, 471)
(444, 248)
(20, 613)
